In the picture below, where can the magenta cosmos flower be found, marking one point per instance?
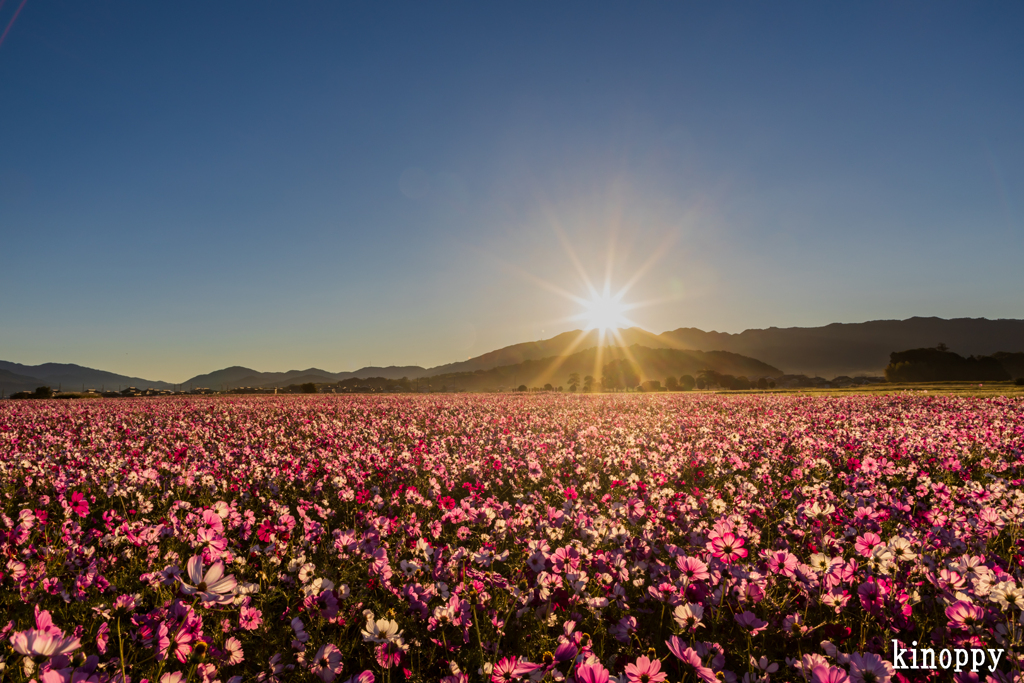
(510, 668)
(211, 587)
(645, 671)
(728, 547)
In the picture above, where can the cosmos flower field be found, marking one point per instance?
(641, 538)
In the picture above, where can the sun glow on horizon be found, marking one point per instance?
(605, 312)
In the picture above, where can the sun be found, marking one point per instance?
(605, 312)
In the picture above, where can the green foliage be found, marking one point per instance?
(651, 385)
(940, 365)
(620, 374)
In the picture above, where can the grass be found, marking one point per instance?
(983, 389)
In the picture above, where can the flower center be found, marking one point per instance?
(202, 586)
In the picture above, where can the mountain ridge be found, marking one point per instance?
(829, 350)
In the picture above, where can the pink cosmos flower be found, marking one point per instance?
(180, 646)
(213, 520)
(823, 673)
(103, 637)
(213, 587)
(327, 663)
(728, 547)
(867, 543)
(390, 654)
(783, 562)
(592, 673)
(45, 640)
(35, 643)
(250, 618)
(233, 651)
(172, 677)
(764, 665)
(365, 677)
(964, 616)
(510, 668)
(690, 659)
(749, 621)
(79, 504)
(870, 668)
(645, 671)
(692, 569)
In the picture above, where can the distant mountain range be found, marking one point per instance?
(837, 349)
(67, 376)
(656, 364)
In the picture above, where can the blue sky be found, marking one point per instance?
(185, 186)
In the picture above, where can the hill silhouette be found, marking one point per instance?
(832, 350)
(652, 364)
(17, 377)
(858, 348)
(829, 351)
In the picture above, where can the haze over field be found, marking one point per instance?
(187, 186)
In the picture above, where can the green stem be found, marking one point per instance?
(120, 646)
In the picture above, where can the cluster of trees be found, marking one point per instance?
(623, 375)
(40, 392)
(939, 364)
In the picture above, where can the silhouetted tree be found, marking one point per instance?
(588, 383)
(671, 383)
(620, 374)
(43, 392)
(308, 388)
(935, 365)
(522, 387)
(574, 380)
(687, 383)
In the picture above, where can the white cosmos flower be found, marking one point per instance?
(35, 643)
(381, 630)
(211, 587)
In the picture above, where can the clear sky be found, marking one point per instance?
(190, 185)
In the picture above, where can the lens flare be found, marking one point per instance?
(605, 312)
